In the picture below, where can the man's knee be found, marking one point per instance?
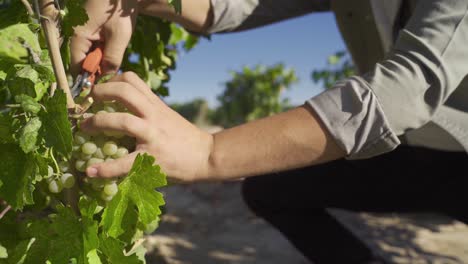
(254, 196)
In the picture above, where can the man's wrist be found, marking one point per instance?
(207, 169)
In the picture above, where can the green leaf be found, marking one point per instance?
(190, 42)
(6, 131)
(17, 41)
(113, 250)
(177, 4)
(90, 227)
(66, 237)
(21, 251)
(26, 79)
(55, 124)
(28, 103)
(16, 170)
(3, 252)
(28, 135)
(75, 16)
(93, 257)
(13, 13)
(137, 189)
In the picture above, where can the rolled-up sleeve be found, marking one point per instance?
(237, 15)
(365, 114)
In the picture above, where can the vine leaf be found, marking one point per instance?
(113, 250)
(5, 129)
(17, 41)
(66, 237)
(137, 189)
(3, 252)
(29, 134)
(16, 170)
(75, 16)
(28, 104)
(55, 124)
(177, 4)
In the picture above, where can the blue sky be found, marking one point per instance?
(302, 43)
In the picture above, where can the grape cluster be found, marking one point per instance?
(58, 180)
(89, 150)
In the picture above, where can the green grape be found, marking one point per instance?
(93, 161)
(99, 154)
(89, 148)
(106, 197)
(97, 184)
(109, 109)
(81, 138)
(101, 112)
(121, 152)
(80, 165)
(64, 166)
(110, 148)
(110, 189)
(55, 186)
(67, 180)
(50, 171)
(108, 159)
(76, 148)
(85, 156)
(98, 209)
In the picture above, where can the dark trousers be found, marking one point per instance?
(407, 179)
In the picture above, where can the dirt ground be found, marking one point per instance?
(209, 224)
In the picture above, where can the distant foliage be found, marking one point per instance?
(196, 111)
(339, 66)
(253, 93)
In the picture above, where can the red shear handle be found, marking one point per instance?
(92, 61)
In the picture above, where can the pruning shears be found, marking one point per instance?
(90, 69)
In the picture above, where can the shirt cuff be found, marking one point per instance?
(228, 15)
(354, 117)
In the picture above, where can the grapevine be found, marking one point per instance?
(50, 212)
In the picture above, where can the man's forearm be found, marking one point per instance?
(196, 15)
(285, 141)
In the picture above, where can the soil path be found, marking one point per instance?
(209, 224)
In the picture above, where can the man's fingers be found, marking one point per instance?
(125, 94)
(112, 169)
(126, 123)
(134, 79)
(79, 46)
(116, 38)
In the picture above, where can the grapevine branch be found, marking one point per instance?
(49, 16)
(28, 7)
(5, 211)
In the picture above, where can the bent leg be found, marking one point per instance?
(405, 180)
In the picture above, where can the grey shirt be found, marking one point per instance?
(412, 58)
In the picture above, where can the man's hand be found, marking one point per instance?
(111, 23)
(180, 148)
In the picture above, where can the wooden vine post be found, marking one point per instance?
(49, 16)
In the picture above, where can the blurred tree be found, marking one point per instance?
(196, 111)
(339, 66)
(253, 93)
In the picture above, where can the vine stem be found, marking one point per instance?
(49, 16)
(28, 7)
(5, 211)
